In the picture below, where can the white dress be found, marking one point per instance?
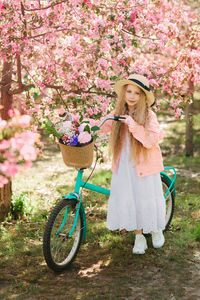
(135, 202)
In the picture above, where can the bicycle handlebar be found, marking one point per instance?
(67, 114)
(110, 118)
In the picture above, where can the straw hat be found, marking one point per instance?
(139, 80)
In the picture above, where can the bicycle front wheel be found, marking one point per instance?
(59, 249)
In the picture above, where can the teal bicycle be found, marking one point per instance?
(66, 226)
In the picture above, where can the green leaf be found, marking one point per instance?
(35, 95)
(42, 126)
(87, 128)
(95, 128)
(50, 129)
(113, 78)
(134, 43)
(49, 123)
(81, 119)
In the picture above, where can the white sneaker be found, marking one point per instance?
(158, 239)
(140, 244)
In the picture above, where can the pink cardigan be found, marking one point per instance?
(149, 137)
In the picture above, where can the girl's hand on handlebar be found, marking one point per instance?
(124, 120)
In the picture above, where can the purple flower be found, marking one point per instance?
(73, 140)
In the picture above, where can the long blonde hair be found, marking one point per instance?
(117, 136)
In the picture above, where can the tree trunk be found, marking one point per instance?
(6, 101)
(189, 146)
(5, 200)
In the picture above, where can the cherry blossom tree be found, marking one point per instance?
(59, 55)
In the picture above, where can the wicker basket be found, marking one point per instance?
(78, 157)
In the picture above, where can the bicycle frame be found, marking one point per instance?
(92, 187)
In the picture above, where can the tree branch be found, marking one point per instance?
(46, 7)
(142, 37)
(100, 6)
(62, 99)
(51, 86)
(42, 34)
(79, 91)
(21, 89)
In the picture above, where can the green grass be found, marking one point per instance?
(188, 163)
(197, 232)
(105, 266)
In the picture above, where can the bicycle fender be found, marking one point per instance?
(77, 198)
(84, 221)
(162, 174)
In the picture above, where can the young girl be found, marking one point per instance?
(136, 199)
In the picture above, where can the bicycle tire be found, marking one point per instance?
(60, 250)
(169, 201)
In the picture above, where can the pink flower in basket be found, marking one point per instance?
(84, 137)
(82, 126)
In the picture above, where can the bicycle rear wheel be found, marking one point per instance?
(169, 201)
(59, 249)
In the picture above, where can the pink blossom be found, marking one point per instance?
(16, 142)
(82, 126)
(133, 16)
(89, 111)
(84, 137)
(29, 137)
(178, 113)
(10, 156)
(4, 144)
(76, 117)
(11, 113)
(9, 169)
(24, 121)
(27, 165)
(61, 111)
(105, 158)
(109, 34)
(96, 110)
(2, 124)
(3, 181)
(24, 138)
(28, 152)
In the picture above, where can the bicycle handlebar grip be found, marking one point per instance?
(118, 118)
